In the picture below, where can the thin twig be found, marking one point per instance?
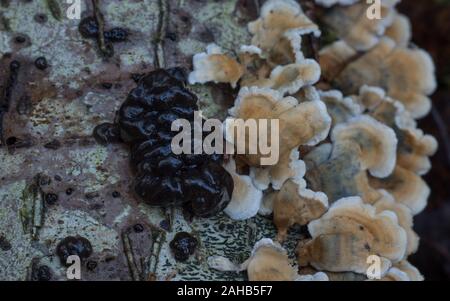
(158, 241)
(161, 32)
(128, 250)
(101, 28)
(6, 95)
(170, 214)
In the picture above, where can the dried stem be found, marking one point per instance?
(101, 29)
(161, 32)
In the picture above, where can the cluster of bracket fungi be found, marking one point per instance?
(351, 154)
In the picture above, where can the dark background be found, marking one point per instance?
(431, 31)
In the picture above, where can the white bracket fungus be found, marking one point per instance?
(267, 262)
(340, 108)
(294, 204)
(280, 22)
(213, 65)
(304, 123)
(378, 151)
(344, 237)
(411, 271)
(405, 219)
(400, 30)
(362, 144)
(334, 57)
(406, 74)
(407, 188)
(414, 147)
(246, 198)
(352, 25)
(288, 167)
(403, 271)
(291, 78)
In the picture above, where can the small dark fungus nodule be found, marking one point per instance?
(183, 245)
(73, 245)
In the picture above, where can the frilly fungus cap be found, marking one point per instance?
(246, 198)
(256, 103)
(268, 262)
(344, 237)
(386, 65)
(352, 24)
(279, 24)
(213, 65)
(361, 146)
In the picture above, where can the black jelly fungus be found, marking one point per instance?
(107, 85)
(14, 65)
(106, 133)
(41, 63)
(183, 245)
(20, 39)
(138, 228)
(88, 27)
(163, 178)
(40, 18)
(11, 140)
(185, 18)
(110, 258)
(16, 142)
(91, 265)
(164, 224)
(42, 273)
(115, 194)
(69, 191)
(43, 179)
(54, 144)
(230, 227)
(5, 245)
(116, 34)
(51, 198)
(136, 77)
(7, 92)
(73, 245)
(171, 36)
(109, 49)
